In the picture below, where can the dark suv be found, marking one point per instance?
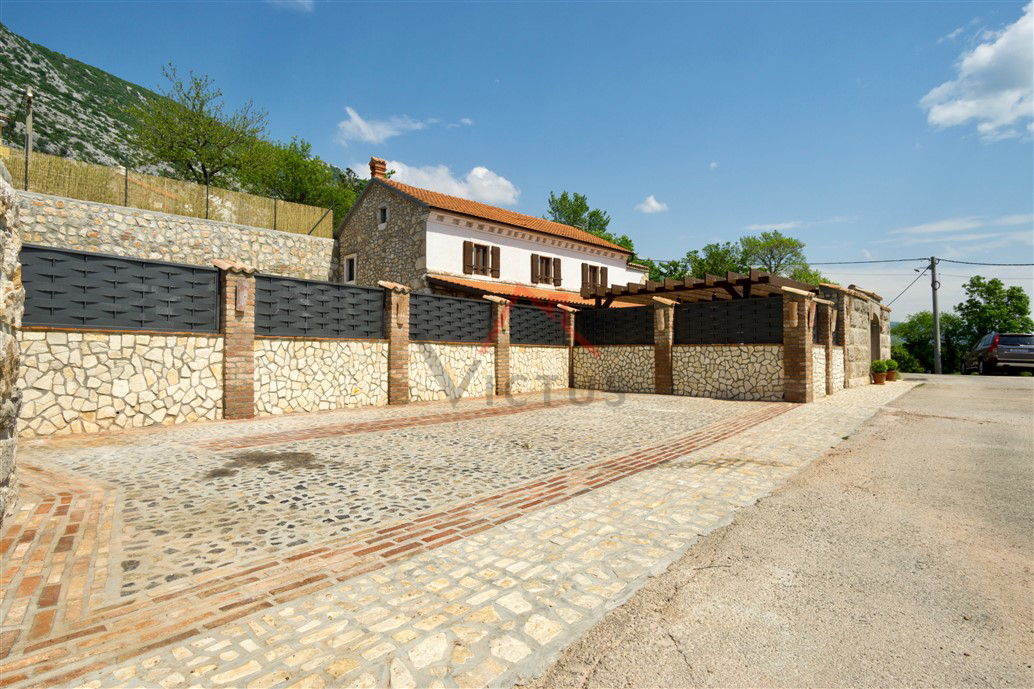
(1013, 352)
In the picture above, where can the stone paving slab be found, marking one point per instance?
(492, 605)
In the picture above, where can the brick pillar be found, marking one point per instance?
(797, 343)
(567, 321)
(663, 337)
(396, 330)
(238, 319)
(501, 336)
(825, 314)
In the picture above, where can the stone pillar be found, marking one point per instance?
(501, 336)
(396, 330)
(663, 338)
(826, 313)
(797, 344)
(238, 320)
(12, 300)
(567, 322)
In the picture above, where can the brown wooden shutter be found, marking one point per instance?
(534, 269)
(468, 257)
(495, 261)
(603, 277)
(556, 272)
(585, 274)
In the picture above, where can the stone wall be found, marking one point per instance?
(76, 382)
(12, 297)
(538, 368)
(858, 346)
(298, 375)
(818, 370)
(439, 371)
(616, 368)
(838, 369)
(395, 252)
(884, 333)
(85, 226)
(736, 372)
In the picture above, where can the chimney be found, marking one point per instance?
(378, 168)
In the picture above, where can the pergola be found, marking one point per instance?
(757, 285)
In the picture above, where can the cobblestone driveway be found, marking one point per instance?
(432, 545)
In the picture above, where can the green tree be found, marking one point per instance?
(990, 307)
(573, 209)
(189, 130)
(916, 336)
(906, 362)
(716, 259)
(773, 252)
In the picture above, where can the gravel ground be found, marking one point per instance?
(902, 558)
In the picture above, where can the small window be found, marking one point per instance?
(350, 269)
(382, 215)
(481, 259)
(545, 269)
(593, 276)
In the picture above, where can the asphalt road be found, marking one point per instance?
(902, 558)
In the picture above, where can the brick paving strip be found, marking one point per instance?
(214, 599)
(340, 429)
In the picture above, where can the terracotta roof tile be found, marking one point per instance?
(522, 291)
(501, 215)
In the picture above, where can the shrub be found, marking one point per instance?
(879, 366)
(892, 365)
(906, 362)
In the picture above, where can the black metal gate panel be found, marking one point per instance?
(309, 308)
(737, 321)
(535, 325)
(79, 289)
(618, 326)
(449, 319)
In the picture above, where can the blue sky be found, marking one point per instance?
(869, 130)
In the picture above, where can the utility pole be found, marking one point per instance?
(935, 285)
(28, 132)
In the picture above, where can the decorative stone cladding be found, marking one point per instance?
(538, 368)
(397, 254)
(732, 372)
(299, 375)
(76, 382)
(858, 347)
(615, 368)
(885, 340)
(838, 369)
(12, 298)
(86, 226)
(439, 371)
(818, 370)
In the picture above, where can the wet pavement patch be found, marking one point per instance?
(254, 460)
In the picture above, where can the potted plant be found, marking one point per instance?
(879, 371)
(892, 370)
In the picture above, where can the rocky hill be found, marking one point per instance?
(79, 111)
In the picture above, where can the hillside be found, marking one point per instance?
(79, 111)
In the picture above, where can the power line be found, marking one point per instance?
(972, 263)
(909, 286)
(889, 260)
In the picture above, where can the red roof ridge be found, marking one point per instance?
(485, 211)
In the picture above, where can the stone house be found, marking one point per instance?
(441, 244)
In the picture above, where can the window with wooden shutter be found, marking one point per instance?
(585, 275)
(603, 277)
(556, 272)
(468, 257)
(495, 261)
(534, 269)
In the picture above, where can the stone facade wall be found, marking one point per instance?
(838, 369)
(12, 298)
(86, 226)
(884, 333)
(76, 382)
(735, 372)
(858, 346)
(395, 252)
(538, 368)
(617, 368)
(818, 370)
(297, 375)
(439, 371)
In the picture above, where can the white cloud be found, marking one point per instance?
(297, 5)
(952, 36)
(355, 128)
(713, 164)
(965, 224)
(994, 86)
(780, 226)
(651, 205)
(480, 184)
(466, 121)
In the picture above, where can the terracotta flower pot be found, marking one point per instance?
(879, 378)
(892, 376)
